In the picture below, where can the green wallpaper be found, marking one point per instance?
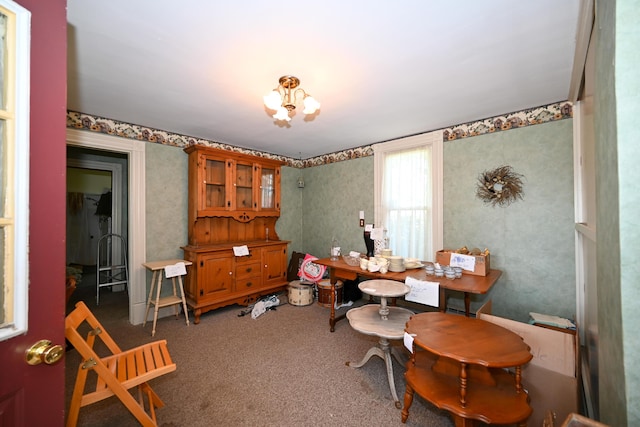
(289, 226)
(618, 233)
(628, 108)
(610, 358)
(531, 240)
(333, 196)
(166, 201)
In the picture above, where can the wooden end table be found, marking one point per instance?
(458, 364)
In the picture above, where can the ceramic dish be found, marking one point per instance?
(412, 265)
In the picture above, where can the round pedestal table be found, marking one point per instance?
(381, 320)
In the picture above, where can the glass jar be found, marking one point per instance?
(335, 250)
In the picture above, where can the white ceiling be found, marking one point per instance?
(381, 69)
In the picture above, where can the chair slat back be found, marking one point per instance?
(74, 321)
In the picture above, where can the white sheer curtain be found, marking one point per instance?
(408, 194)
(406, 202)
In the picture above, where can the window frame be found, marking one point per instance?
(434, 140)
(15, 217)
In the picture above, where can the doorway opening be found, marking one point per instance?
(131, 156)
(96, 207)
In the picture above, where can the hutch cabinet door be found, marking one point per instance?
(243, 187)
(274, 259)
(215, 276)
(267, 191)
(214, 193)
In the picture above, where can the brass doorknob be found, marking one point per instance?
(44, 351)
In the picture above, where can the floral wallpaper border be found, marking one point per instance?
(532, 116)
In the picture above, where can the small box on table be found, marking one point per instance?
(481, 266)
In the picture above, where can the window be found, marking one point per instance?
(408, 194)
(14, 167)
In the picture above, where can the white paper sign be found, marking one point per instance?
(467, 262)
(408, 341)
(177, 269)
(241, 250)
(368, 227)
(377, 233)
(423, 292)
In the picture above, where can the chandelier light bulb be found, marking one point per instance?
(273, 100)
(310, 105)
(282, 114)
(284, 98)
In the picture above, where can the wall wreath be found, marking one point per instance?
(501, 186)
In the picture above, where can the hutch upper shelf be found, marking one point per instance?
(229, 184)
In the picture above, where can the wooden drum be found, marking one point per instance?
(324, 292)
(300, 293)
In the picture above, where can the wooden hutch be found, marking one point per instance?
(234, 200)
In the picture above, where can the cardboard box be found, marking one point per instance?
(481, 267)
(577, 420)
(551, 377)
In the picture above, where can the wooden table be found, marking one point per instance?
(462, 369)
(380, 320)
(157, 267)
(469, 284)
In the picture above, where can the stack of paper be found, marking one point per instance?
(556, 321)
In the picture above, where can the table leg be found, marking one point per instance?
(383, 352)
(384, 343)
(518, 379)
(184, 301)
(146, 313)
(156, 308)
(463, 384)
(467, 303)
(176, 309)
(332, 316)
(443, 301)
(373, 351)
(408, 400)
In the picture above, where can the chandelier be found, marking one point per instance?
(283, 99)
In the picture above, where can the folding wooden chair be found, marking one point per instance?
(117, 372)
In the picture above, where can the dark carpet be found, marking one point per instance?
(282, 369)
